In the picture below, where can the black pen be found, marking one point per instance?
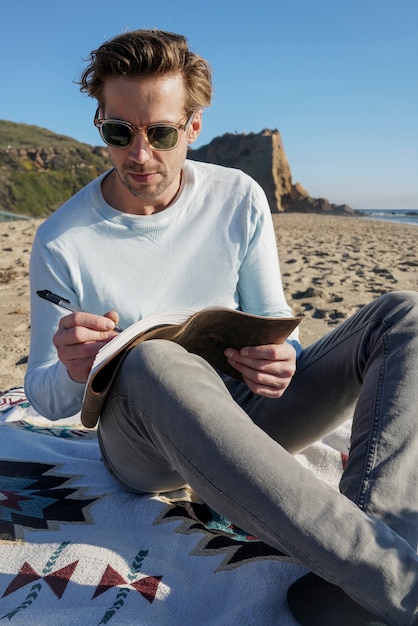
(64, 303)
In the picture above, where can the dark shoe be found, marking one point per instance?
(315, 602)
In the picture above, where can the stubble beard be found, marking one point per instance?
(143, 191)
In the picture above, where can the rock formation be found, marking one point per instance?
(262, 156)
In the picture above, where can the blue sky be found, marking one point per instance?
(337, 78)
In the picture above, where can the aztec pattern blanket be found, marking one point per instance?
(75, 549)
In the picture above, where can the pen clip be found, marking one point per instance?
(48, 295)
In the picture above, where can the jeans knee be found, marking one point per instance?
(150, 355)
(399, 302)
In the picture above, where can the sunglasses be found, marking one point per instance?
(120, 134)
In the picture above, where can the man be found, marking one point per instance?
(160, 233)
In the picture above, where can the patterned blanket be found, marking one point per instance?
(75, 549)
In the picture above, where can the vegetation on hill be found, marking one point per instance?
(39, 169)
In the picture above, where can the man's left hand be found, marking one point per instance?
(267, 370)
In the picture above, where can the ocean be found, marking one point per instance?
(404, 216)
(6, 216)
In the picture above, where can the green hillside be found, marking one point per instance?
(39, 169)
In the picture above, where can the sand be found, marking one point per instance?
(331, 266)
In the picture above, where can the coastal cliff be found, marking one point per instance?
(263, 157)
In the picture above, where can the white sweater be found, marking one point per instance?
(214, 246)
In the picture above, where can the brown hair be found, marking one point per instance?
(152, 53)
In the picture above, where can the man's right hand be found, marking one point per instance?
(79, 338)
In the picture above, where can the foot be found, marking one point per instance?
(315, 602)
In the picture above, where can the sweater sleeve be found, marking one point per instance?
(48, 386)
(260, 283)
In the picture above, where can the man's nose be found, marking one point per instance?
(139, 150)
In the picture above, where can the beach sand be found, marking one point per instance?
(331, 266)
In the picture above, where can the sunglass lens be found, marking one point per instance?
(117, 135)
(162, 137)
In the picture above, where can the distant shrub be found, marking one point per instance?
(39, 170)
(40, 193)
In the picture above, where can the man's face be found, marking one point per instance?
(147, 179)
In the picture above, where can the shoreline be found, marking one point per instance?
(331, 266)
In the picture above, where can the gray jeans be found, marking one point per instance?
(170, 419)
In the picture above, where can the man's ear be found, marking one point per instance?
(195, 127)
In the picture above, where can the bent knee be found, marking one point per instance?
(151, 354)
(407, 300)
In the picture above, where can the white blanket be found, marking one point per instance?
(75, 549)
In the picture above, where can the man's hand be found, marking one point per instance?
(267, 370)
(79, 338)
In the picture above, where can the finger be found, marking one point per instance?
(80, 351)
(265, 385)
(270, 352)
(87, 320)
(83, 327)
(262, 378)
(239, 357)
(266, 392)
(113, 315)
